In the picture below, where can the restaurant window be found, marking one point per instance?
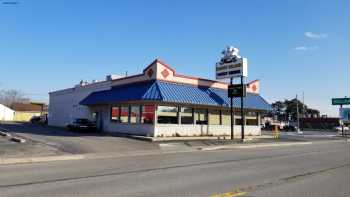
(94, 117)
(252, 122)
(252, 118)
(124, 114)
(226, 117)
(135, 114)
(201, 116)
(214, 117)
(147, 112)
(167, 115)
(186, 115)
(238, 121)
(115, 114)
(251, 114)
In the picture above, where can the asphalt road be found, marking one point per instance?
(305, 170)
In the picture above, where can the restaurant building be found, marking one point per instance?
(158, 102)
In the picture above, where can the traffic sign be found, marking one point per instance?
(344, 114)
(341, 101)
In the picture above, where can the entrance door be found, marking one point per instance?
(99, 120)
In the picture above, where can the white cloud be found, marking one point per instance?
(310, 34)
(306, 48)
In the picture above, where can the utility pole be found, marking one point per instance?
(298, 121)
(303, 109)
(342, 123)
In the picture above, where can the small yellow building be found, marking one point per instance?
(25, 111)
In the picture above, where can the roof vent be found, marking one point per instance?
(113, 77)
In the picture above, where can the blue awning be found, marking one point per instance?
(173, 93)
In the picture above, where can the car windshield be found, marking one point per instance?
(83, 121)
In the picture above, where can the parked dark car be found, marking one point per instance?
(82, 124)
(39, 119)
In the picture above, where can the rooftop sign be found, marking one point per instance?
(341, 101)
(231, 65)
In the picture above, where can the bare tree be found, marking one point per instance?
(9, 97)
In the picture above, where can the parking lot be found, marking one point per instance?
(10, 149)
(75, 142)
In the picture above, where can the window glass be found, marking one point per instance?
(147, 114)
(214, 117)
(167, 115)
(135, 114)
(115, 114)
(226, 117)
(124, 114)
(186, 115)
(201, 116)
(252, 122)
(94, 116)
(251, 114)
(238, 121)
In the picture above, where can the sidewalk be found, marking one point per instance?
(36, 151)
(169, 139)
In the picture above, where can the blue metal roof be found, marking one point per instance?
(173, 93)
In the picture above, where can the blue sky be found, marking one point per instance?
(292, 46)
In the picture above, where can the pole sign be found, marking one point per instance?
(344, 114)
(236, 90)
(341, 101)
(231, 65)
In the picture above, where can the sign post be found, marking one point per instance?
(231, 65)
(230, 88)
(242, 110)
(343, 116)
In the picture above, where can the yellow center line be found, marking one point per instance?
(230, 194)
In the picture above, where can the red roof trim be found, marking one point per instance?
(161, 62)
(180, 75)
(188, 77)
(256, 80)
(250, 83)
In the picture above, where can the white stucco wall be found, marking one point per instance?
(64, 105)
(203, 130)
(6, 114)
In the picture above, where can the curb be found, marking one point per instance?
(255, 146)
(8, 161)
